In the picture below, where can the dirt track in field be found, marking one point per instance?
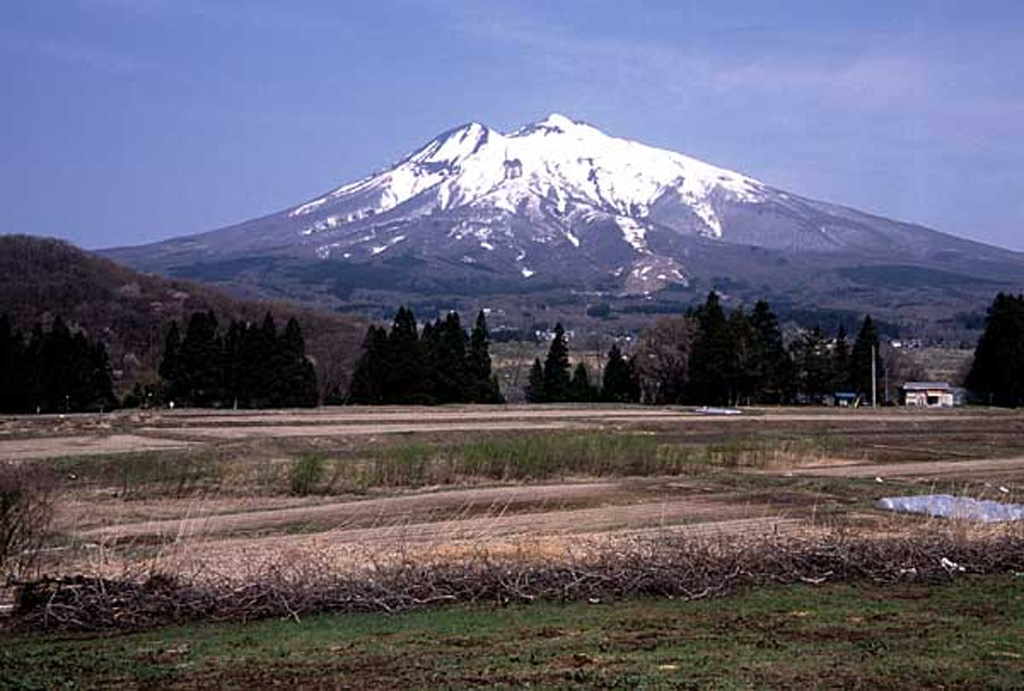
(973, 469)
(39, 437)
(542, 517)
(232, 528)
(534, 510)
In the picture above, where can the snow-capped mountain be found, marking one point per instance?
(555, 203)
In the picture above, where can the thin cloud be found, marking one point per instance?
(68, 52)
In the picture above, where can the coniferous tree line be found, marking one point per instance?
(54, 371)
(245, 366)
(439, 364)
(556, 381)
(708, 356)
(997, 374)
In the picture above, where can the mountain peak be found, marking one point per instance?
(558, 121)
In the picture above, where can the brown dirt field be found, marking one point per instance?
(227, 528)
(223, 545)
(973, 469)
(37, 437)
(56, 447)
(398, 510)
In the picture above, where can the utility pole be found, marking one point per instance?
(874, 377)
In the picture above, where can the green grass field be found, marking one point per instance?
(968, 635)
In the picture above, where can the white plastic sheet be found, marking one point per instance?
(948, 506)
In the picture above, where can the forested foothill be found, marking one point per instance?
(130, 312)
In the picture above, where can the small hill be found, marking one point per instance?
(41, 278)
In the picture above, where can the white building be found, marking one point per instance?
(928, 394)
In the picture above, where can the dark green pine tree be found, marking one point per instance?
(170, 365)
(233, 366)
(771, 364)
(367, 386)
(404, 381)
(450, 365)
(430, 353)
(35, 390)
(15, 370)
(713, 355)
(10, 365)
(615, 384)
(860, 358)
(841, 361)
(297, 384)
(813, 363)
(742, 373)
(556, 368)
(483, 383)
(201, 360)
(580, 388)
(535, 387)
(57, 364)
(267, 375)
(100, 383)
(997, 373)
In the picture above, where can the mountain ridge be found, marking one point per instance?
(558, 203)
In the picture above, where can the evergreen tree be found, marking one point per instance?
(483, 383)
(57, 364)
(771, 364)
(58, 371)
(997, 372)
(297, 385)
(100, 386)
(170, 364)
(860, 358)
(535, 388)
(451, 366)
(11, 362)
(556, 368)
(713, 354)
(813, 365)
(615, 384)
(743, 364)
(367, 387)
(580, 388)
(234, 366)
(841, 361)
(35, 390)
(200, 362)
(404, 380)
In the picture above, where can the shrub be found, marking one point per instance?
(26, 510)
(307, 473)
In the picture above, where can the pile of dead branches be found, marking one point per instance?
(664, 566)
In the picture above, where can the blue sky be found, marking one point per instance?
(126, 121)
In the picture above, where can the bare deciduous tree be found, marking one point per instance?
(662, 359)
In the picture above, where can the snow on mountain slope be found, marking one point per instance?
(558, 203)
(554, 169)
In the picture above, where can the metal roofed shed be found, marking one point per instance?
(928, 394)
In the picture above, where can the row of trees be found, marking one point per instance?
(53, 371)
(246, 366)
(441, 364)
(555, 381)
(707, 356)
(997, 373)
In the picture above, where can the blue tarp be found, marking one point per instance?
(948, 506)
